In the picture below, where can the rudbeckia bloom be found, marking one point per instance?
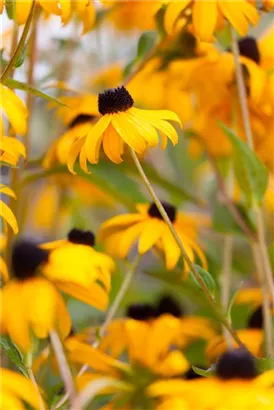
(235, 386)
(5, 211)
(78, 269)
(121, 123)
(205, 15)
(148, 228)
(29, 302)
(15, 390)
(11, 149)
(14, 109)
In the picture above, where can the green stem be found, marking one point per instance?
(220, 315)
(33, 380)
(120, 295)
(20, 46)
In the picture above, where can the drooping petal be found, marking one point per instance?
(86, 13)
(113, 145)
(74, 151)
(7, 214)
(157, 114)
(148, 132)
(238, 13)
(119, 222)
(94, 139)
(129, 237)
(15, 109)
(172, 13)
(151, 233)
(173, 364)
(22, 10)
(171, 250)
(205, 19)
(129, 133)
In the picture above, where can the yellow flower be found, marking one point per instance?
(5, 212)
(30, 303)
(120, 124)
(77, 269)
(14, 109)
(205, 15)
(234, 387)
(108, 77)
(78, 109)
(4, 272)
(147, 226)
(130, 14)
(11, 149)
(15, 390)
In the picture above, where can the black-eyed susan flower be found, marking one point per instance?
(14, 109)
(121, 124)
(11, 149)
(148, 228)
(78, 269)
(186, 329)
(206, 15)
(5, 211)
(17, 390)
(30, 304)
(235, 386)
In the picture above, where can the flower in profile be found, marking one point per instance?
(17, 389)
(78, 269)
(30, 304)
(5, 211)
(121, 124)
(14, 109)
(206, 14)
(11, 149)
(148, 228)
(236, 384)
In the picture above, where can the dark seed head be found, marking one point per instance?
(81, 119)
(248, 47)
(170, 210)
(143, 311)
(236, 364)
(26, 257)
(256, 319)
(168, 305)
(114, 100)
(81, 237)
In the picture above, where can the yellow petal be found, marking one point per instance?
(148, 132)
(172, 13)
(119, 222)
(205, 19)
(152, 231)
(7, 191)
(129, 133)
(167, 387)
(65, 7)
(113, 145)
(63, 322)
(4, 270)
(237, 14)
(15, 109)
(22, 10)
(171, 250)
(87, 14)
(50, 6)
(83, 161)
(157, 114)
(94, 139)
(76, 147)
(10, 401)
(174, 363)
(7, 214)
(129, 237)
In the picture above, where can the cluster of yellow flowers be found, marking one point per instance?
(196, 76)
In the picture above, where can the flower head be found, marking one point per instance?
(148, 228)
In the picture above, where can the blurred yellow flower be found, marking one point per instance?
(4, 272)
(5, 211)
(11, 149)
(14, 109)
(17, 389)
(205, 15)
(147, 226)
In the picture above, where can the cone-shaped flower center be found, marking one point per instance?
(170, 210)
(81, 119)
(142, 311)
(81, 237)
(26, 257)
(236, 364)
(114, 100)
(168, 305)
(256, 319)
(248, 47)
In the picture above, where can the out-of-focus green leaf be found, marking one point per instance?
(18, 85)
(224, 222)
(231, 302)
(251, 174)
(9, 348)
(22, 57)
(208, 279)
(205, 373)
(264, 364)
(10, 8)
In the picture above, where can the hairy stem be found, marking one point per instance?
(219, 314)
(63, 365)
(33, 380)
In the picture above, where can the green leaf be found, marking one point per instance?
(22, 57)
(204, 373)
(252, 175)
(10, 8)
(265, 364)
(232, 300)
(14, 355)
(224, 222)
(18, 85)
(208, 279)
(145, 44)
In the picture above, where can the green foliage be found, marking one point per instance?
(205, 373)
(208, 279)
(14, 355)
(224, 222)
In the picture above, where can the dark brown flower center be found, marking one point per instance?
(142, 311)
(80, 237)
(168, 304)
(170, 210)
(256, 319)
(114, 100)
(26, 258)
(236, 364)
(248, 47)
(81, 119)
